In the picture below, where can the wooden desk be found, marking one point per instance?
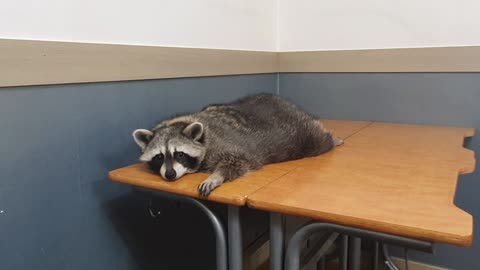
(234, 193)
(391, 178)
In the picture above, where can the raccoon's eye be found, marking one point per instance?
(186, 160)
(179, 155)
(158, 157)
(156, 163)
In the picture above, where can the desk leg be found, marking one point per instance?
(218, 229)
(292, 256)
(354, 253)
(276, 241)
(344, 252)
(220, 239)
(375, 255)
(235, 253)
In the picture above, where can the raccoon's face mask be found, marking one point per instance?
(172, 151)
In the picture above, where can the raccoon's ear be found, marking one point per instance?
(142, 137)
(194, 131)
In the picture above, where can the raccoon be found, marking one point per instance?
(232, 139)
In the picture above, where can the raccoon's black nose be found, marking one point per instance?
(170, 174)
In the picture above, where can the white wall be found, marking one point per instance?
(229, 24)
(371, 24)
(266, 25)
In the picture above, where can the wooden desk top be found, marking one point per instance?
(392, 178)
(235, 192)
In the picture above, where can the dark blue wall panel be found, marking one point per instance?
(59, 211)
(420, 98)
(57, 144)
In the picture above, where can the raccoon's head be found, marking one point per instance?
(172, 150)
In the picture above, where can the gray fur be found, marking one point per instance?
(229, 140)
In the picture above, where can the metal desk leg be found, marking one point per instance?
(375, 255)
(292, 257)
(276, 241)
(235, 255)
(344, 252)
(218, 230)
(220, 239)
(354, 253)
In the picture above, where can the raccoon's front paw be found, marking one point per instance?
(207, 186)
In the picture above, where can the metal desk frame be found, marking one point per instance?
(229, 253)
(232, 261)
(350, 252)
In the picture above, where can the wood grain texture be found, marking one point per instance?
(344, 129)
(25, 62)
(392, 178)
(235, 192)
(441, 59)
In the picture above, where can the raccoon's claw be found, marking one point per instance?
(338, 141)
(206, 188)
(211, 183)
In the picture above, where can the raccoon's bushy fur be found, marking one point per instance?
(229, 140)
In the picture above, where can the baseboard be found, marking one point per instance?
(412, 265)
